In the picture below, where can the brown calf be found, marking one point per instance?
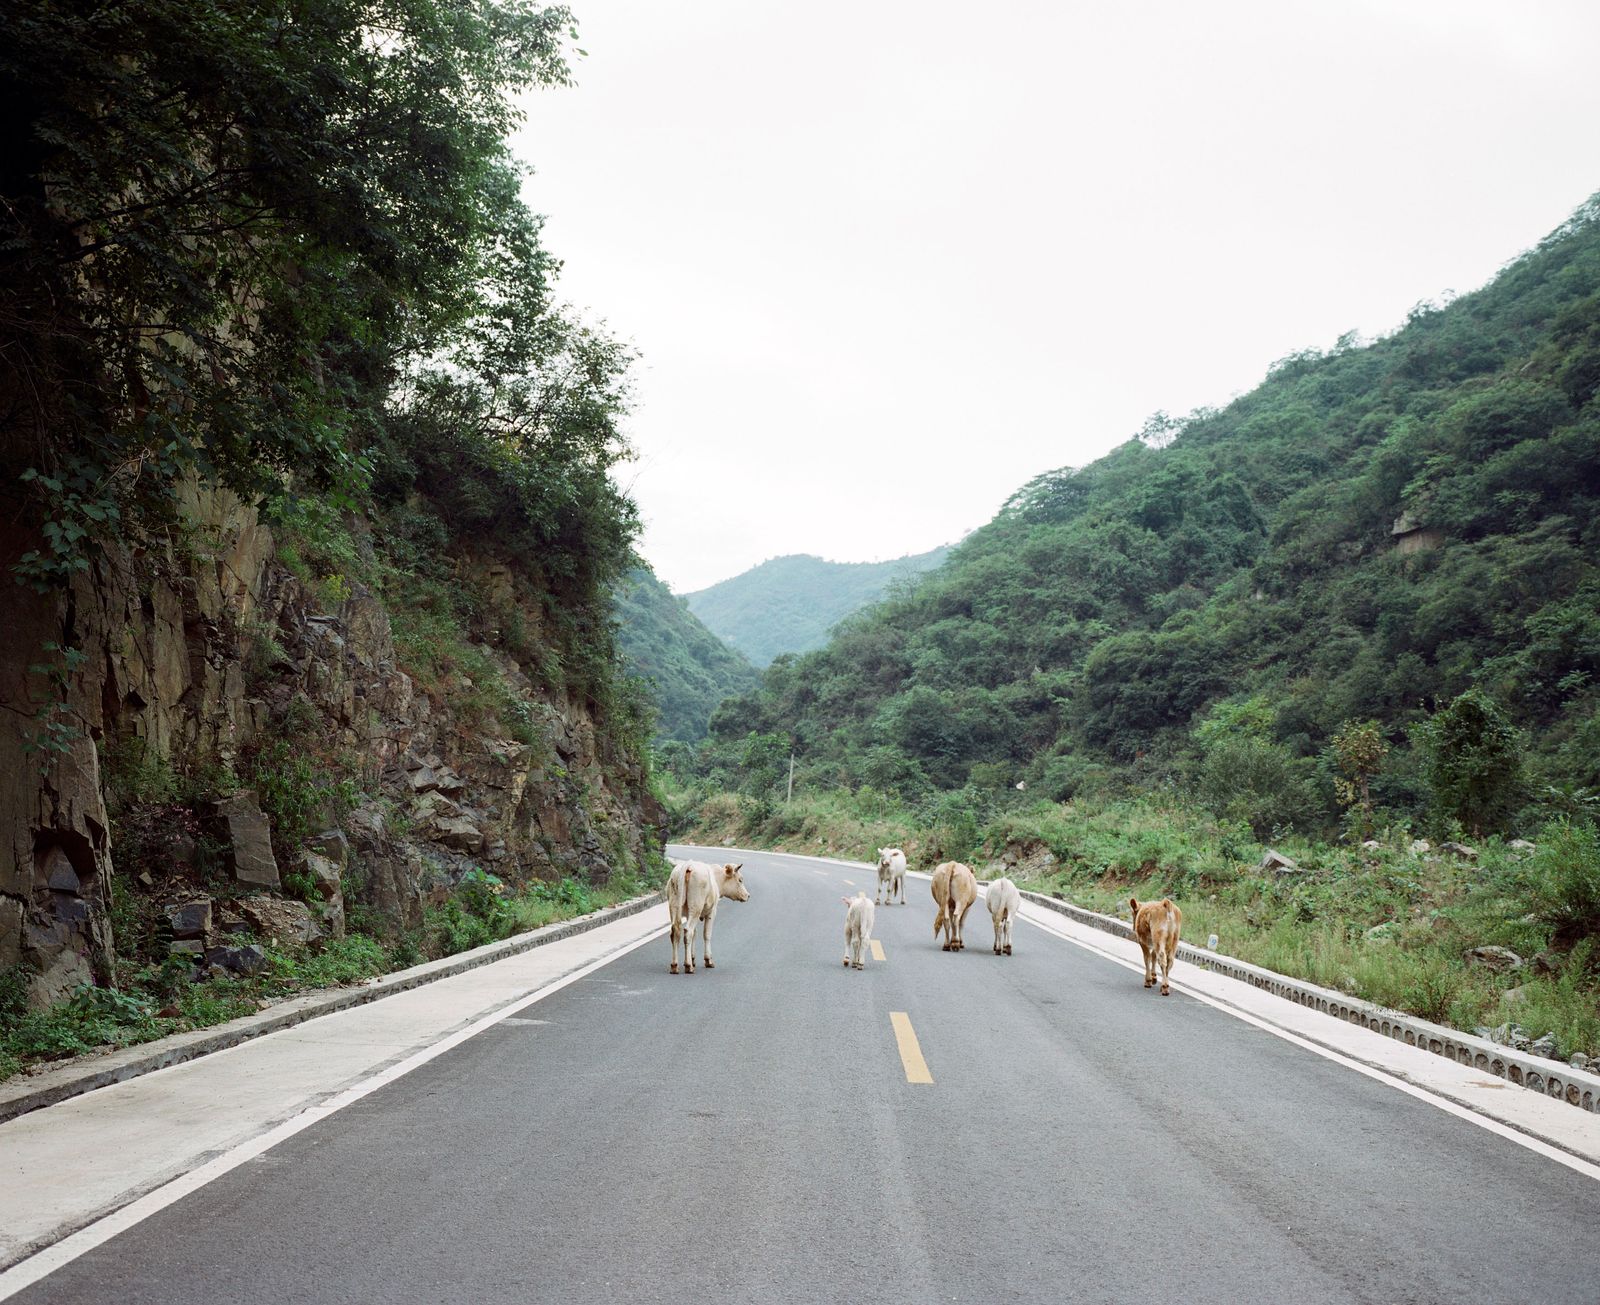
(1156, 926)
(955, 889)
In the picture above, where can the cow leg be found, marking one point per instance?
(706, 935)
(677, 933)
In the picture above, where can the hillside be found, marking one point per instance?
(690, 670)
(307, 518)
(788, 604)
(1370, 533)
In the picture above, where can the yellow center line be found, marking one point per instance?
(910, 1052)
(877, 949)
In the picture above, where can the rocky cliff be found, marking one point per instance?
(175, 684)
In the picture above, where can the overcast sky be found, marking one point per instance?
(885, 262)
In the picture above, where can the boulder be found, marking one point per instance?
(1276, 863)
(281, 921)
(1579, 1061)
(1461, 850)
(327, 875)
(1511, 1035)
(1501, 960)
(189, 919)
(431, 805)
(1382, 933)
(1521, 845)
(332, 844)
(1543, 1046)
(187, 947)
(1372, 845)
(457, 832)
(249, 839)
(246, 959)
(324, 873)
(1419, 846)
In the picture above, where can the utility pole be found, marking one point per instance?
(789, 797)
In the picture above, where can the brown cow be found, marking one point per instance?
(1156, 926)
(955, 889)
(692, 896)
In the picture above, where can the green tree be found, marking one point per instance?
(1474, 762)
(1358, 751)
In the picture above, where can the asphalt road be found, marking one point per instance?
(748, 1134)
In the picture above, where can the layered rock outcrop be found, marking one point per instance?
(196, 649)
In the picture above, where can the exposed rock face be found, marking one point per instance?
(248, 837)
(197, 655)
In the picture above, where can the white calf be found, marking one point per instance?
(891, 872)
(1004, 902)
(857, 929)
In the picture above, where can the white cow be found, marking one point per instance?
(858, 919)
(692, 896)
(891, 872)
(1004, 902)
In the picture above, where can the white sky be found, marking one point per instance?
(887, 261)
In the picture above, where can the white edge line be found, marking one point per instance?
(42, 1263)
(1492, 1125)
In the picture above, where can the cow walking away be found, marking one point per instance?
(858, 917)
(955, 889)
(891, 872)
(692, 896)
(1156, 926)
(1004, 901)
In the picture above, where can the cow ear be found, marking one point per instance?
(732, 869)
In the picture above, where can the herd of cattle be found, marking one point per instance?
(696, 887)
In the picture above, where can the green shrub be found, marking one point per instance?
(1565, 879)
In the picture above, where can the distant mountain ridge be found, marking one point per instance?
(790, 603)
(689, 668)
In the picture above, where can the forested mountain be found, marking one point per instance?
(788, 604)
(1370, 533)
(690, 670)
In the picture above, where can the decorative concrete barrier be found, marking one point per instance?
(1550, 1077)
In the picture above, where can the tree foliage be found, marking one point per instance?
(282, 249)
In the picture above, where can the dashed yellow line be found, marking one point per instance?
(877, 949)
(910, 1052)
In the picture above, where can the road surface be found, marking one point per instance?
(754, 1133)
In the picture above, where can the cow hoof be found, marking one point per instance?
(1008, 949)
(847, 961)
(1166, 991)
(673, 970)
(710, 964)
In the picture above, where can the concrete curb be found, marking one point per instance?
(1548, 1077)
(48, 1087)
